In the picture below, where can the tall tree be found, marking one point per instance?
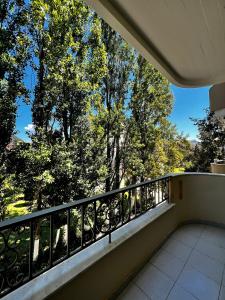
(212, 142)
(69, 61)
(13, 58)
(115, 93)
(154, 147)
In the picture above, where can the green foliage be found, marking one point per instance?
(9, 193)
(111, 119)
(212, 142)
(99, 110)
(13, 57)
(154, 147)
(18, 208)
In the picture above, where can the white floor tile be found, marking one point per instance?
(214, 235)
(211, 250)
(223, 279)
(178, 293)
(154, 283)
(168, 264)
(198, 284)
(167, 276)
(193, 229)
(186, 238)
(206, 265)
(222, 293)
(177, 248)
(132, 292)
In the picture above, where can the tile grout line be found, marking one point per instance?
(214, 260)
(221, 284)
(176, 239)
(208, 256)
(217, 246)
(142, 291)
(192, 249)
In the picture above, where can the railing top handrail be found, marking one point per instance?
(48, 211)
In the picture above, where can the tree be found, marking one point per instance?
(212, 142)
(150, 105)
(99, 110)
(154, 147)
(13, 58)
(111, 106)
(69, 60)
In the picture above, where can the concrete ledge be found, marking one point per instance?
(55, 278)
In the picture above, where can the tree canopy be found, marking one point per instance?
(99, 109)
(212, 142)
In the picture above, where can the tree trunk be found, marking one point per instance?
(117, 164)
(38, 106)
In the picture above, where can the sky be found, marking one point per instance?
(188, 103)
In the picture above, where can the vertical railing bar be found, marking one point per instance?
(154, 192)
(168, 181)
(31, 249)
(135, 202)
(82, 226)
(122, 208)
(95, 221)
(110, 237)
(152, 196)
(68, 233)
(129, 203)
(146, 198)
(146, 195)
(163, 189)
(158, 192)
(51, 242)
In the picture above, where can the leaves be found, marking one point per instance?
(212, 142)
(13, 59)
(100, 111)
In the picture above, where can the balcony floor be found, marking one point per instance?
(189, 266)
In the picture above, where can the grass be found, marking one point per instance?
(19, 208)
(178, 170)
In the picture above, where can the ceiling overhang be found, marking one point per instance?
(184, 39)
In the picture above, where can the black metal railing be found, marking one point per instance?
(32, 244)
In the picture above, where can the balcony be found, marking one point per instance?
(94, 248)
(190, 265)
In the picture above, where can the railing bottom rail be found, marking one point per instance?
(34, 243)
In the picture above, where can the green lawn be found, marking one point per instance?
(18, 208)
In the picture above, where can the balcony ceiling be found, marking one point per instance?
(184, 39)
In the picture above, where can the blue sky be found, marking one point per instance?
(22, 121)
(24, 110)
(188, 102)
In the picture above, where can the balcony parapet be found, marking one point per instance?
(33, 244)
(101, 270)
